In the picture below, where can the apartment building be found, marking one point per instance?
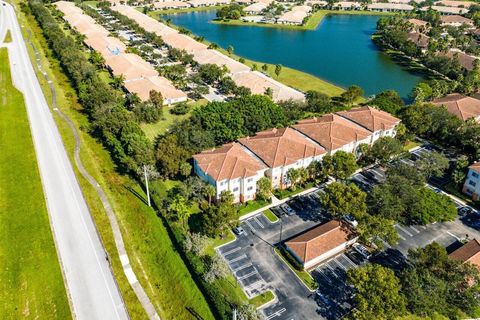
(472, 183)
(238, 166)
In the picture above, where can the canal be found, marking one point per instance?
(339, 51)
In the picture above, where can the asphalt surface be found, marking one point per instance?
(91, 286)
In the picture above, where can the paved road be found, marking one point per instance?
(91, 285)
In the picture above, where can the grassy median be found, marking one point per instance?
(31, 283)
(157, 265)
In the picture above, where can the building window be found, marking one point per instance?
(249, 188)
(249, 179)
(474, 174)
(235, 189)
(223, 183)
(472, 183)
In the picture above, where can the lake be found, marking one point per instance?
(339, 50)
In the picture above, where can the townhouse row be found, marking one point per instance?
(238, 166)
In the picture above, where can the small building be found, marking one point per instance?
(389, 7)
(469, 252)
(163, 5)
(418, 25)
(465, 60)
(292, 17)
(255, 8)
(447, 10)
(142, 88)
(456, 4)
(463, 107)
(230, 167)
(321, 243)
(456, 21)
(347, 5)
(207, 3)
(471, 186)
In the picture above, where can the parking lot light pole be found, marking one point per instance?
(281, 229)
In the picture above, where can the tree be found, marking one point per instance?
(344, 165)
(269, 92)
(248, 312)
(254, 67)
(185, 169)
(374, 229)
(318, 102)
(169, 155)
(385, 148)
(278, 69)
(433, 165)
(178, 207)
(118, 81)
(217, 219)
(210, 192)
(264, 188)
(378, 293)
(97, 59)
(432, 207)
(389, 101)
(226, 197)
(341, 199)
(210, 73)
(196, 243)
(230, 50)
(265, 67)
(353, 93)
(460, 170)
(292, 177)
(217, 269)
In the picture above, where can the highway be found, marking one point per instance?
(90, 283)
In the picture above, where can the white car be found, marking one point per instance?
(362, 250)
(351, 220)
(287, 209)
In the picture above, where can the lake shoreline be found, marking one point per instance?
(312, 23)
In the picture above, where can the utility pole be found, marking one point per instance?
(146, 184)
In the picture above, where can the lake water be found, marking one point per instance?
(339, 50)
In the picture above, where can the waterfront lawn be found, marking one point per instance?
(31, 282)
(156, 262)
(158, 13)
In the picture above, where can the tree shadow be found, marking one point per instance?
(136, 194)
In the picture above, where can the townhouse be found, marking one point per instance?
(463, 107)
(271, 153)
(281, 150)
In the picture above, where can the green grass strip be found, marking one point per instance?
(31, 283)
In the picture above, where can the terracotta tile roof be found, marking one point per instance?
(469, 252)
(183, 42)
(278, 147)
(106, 45)
(229, 161)
(455, 19)
(461, 106)
(319, 240)
(475, 167)
(419, 39)
(131, 66)
(370, 118)
(418, 22)
(332, 131)
(464, 59)
(214, 57)
(449, 3)
(447, 10)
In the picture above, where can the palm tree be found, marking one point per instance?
(118, 81)
(97, 59)
(209, 192)
(230, 50)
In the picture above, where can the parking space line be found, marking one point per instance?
(237, 258)
(349, 261)
(331, 269)
(401, 237)
(258, 221)
(339, 264)
(413, 228)
(250, 226)
(254, 272)
(243, 267)
(276, 314)
(403, 229)
(231, 251)
(453, 235)
(423, 227)
(254, 284)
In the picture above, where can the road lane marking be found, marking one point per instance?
(276, 314)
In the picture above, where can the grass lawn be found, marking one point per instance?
(306, 278)
(410, 145)
(263, 298)
(270, 215)
(250, 206)
(285, 193)
(158, 266)
(152, 130)
(8, 37)
(31, 285)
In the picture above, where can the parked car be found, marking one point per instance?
(362, 250)
(350, 220)
(238, 231)
(465, 211)
(278, 212)
(288, 210)
(324, 299)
